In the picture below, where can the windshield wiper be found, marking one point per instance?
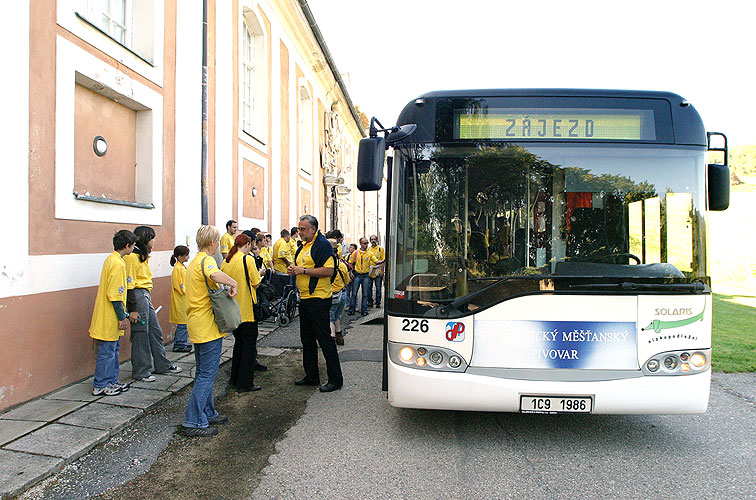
(456, 305)
(629, 286)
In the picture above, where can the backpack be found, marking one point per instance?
(263, 308)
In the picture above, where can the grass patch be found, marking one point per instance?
(734, 333)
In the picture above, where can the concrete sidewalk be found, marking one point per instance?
(39, 437)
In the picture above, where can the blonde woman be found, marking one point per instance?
(202, 273)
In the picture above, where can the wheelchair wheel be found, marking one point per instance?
(283, 319)
(291, 305)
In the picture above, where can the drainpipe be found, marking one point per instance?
(203, 174)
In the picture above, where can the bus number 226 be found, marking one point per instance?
(414, 325)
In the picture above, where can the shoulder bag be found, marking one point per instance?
(225, 308)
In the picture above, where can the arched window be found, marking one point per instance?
(253, 88)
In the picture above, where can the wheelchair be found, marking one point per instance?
(286, 297)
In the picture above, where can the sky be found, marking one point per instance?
(391, 51)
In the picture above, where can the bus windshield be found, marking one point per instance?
(508, 219)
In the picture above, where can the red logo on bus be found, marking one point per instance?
(455, 332)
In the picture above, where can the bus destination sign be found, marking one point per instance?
(583, 125)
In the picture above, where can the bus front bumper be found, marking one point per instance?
(425, 389)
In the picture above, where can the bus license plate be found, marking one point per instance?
(556, 404)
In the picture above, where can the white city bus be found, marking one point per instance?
(547, 251)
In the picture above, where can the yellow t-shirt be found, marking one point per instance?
(363, 261)
(199, 312)
(226, 242)
(281, 250)
(177, 314)
(293, 247)
(323, 288)
(339, 284)
(380, 254)
(139, 274)
(104, 325)
(235, 269)
(267, 256)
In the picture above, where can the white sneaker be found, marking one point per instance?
(149, 378)
(123, 387)
(110, 390)
(175, 369)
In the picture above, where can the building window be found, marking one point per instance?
(131, 23)
(253, 98)
(122, 182)
(112, 17)
(305, 130)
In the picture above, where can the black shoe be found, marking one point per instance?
(260, 368)
(363, 314)
(186, 348)
(220, 419)
(329, 387)
(254, 388)
(339, 339)
(350, 313)
(306, 381)
(203, 432)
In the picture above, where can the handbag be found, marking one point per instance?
(261, 309)
(225, 308)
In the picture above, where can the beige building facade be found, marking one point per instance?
(106, 114)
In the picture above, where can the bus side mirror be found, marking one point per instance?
(370, 163)
(718, 175)
(719, 187)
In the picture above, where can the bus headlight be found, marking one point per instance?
(698, 360)
(454, 362)
(436, 358)
(670, 362)
(426, 357)
(406, 354)
(676, 363)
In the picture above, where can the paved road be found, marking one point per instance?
(352, 444)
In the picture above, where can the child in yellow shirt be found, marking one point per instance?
(177, 314)
(109, 318)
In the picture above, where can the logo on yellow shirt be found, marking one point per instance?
(120, 289)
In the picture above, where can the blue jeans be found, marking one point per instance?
(361, 281)
(181, 336)
(378, 282)
(106, 369)
(338, 307)
(201, 408)
(348, 291)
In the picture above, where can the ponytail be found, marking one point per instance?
(241, 240)
(179, 251)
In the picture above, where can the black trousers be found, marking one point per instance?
(314, 326)
(244, 354)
